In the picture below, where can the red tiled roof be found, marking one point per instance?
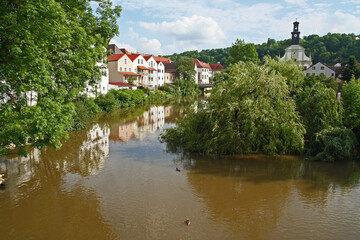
(115, 57)
(133, 56)
(142, 68)
(147, 57)
(122, 84)
(216, 67)
(152, 69)
(130, 73)
(201, 64)
(162, 59)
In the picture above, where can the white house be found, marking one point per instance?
(320, 68)
(153, 74)
(203, 72)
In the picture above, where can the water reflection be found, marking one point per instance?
(117, 181)
(252, 194)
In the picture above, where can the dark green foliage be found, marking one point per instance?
(52, 48)
(240, 51)
(107, 102)
(331, 48)
(333, 144)
(249, 111)
(319, 108)
(351, 102)
(351, 70)
(185, 69)
(84, 110)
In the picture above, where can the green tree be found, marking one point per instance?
(185, 69)
(351, 102)
(249, 111)
(50, 48)
(351, 70)
(240, 51)
(319, 108)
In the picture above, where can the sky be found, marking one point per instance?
(163, 27)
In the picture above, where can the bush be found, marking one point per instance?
(107, 102)
(333, 144)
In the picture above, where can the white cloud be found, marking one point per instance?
(179, 25)
(145, 45)
(195, 30)
(150, 46)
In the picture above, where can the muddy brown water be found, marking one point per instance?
(117, 181)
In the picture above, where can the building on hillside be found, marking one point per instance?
(295, 51)
(170, 73)
(215, 67)
(202, 72)
(320, 68)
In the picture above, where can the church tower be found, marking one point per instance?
(295, 34)
(295, 51)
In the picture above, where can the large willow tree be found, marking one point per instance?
(250, 111)
(49, 49)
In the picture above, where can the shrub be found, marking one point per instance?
(333, 144)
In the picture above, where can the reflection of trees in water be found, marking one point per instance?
(49, 212)
(84, 153)
(249, 193)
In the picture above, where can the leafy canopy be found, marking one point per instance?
(49, 50)
(250, 110)
(351, 70)
(240, 51)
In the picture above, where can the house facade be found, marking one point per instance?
(320, 68)
(202, 72)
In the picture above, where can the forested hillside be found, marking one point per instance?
(331, 48)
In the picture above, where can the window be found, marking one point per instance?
(125, 60)
(142, 62)
(125, 69)
(138, 61)
(322, 68)
(307, 74)
(332, 74)
(313, 74)
(313, 68)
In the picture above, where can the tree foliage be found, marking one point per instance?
(351, 70)
(249, 111)
(351, 101)
(185, 69)
(331, 48)
(332, 144)
(51, 48)
(240, 51)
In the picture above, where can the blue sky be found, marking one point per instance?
(165, 27)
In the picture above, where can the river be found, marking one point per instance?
(116, 180)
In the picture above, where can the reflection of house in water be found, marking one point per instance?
(143, 126)
(123, 132)
(95, 148)
(83, 153)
